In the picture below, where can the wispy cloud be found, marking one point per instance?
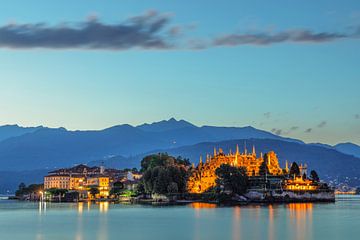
(146, 31)
(322, 124)
(267, 114)
(277, 131)
(263, 38)
(309, 130)
(357, 116)
(294, 128)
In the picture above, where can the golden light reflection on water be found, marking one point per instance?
(79, 229)
(300, 216)
(80, 207)
(199, 205)
(236, 223)
(271, 229)
(104, 207)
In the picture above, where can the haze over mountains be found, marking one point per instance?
(24, 149)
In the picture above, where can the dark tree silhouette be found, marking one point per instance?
(232, 178)
(294, 169)
(314, 176)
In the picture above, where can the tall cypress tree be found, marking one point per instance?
(294, 169)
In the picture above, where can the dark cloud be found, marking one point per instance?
(309, 130)
(357, 116)
(146, 31)
(151, 30)
(322, 124)
(297, 36)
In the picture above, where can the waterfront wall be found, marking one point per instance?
(292, 196)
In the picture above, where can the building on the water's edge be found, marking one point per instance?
(81, 179)
(275, 181)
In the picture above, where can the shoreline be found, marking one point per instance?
(184, 202)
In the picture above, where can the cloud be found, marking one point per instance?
(277, 131)
(309, 130)
(263, 38)
(151, 30)
(357, 116)
(322, 124)
(294, 128)
(146, 31)
(267, 115)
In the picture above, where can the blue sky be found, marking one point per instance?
(303, 83)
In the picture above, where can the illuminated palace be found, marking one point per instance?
(203, 176)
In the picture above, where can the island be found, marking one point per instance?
(224, 178)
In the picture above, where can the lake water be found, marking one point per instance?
(104, 221)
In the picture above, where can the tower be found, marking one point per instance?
(236, 161)
(286, 166)
(245, 150)
(253, 151)
(214, 151)
(237, 149)
(102, 168)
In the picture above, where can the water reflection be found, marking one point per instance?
(103, 221)
(80, 207)
(199, 205)
(197, 221)
(300, 217)
(236, 223)
(104, 207)
(42, 207)
(79, 229)
(271, 229)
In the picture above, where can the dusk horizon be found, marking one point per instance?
(280, 132)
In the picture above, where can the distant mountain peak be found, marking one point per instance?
(348, 148)
(14, 130)
(165, 125)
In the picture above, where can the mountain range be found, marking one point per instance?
(42, 148)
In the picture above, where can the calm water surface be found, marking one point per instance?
(104, 221)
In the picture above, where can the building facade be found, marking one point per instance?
(81, 178)
(204, 177)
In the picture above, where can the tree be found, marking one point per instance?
(263, 170)
(172, 187)
(161, 182)
(314, 176)
(161, 172)
(140, 188)
(57, 192)
(294, 169)
(117, 189)
(304, 176)
(32, 188)
(93, 191)
(232, 178)
(22, 186)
